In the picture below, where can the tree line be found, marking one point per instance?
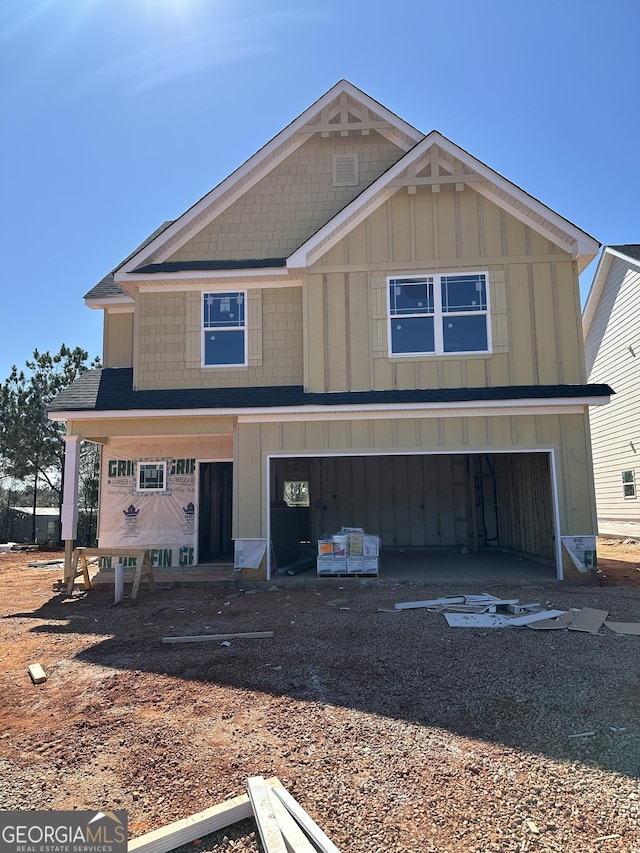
(32, 446)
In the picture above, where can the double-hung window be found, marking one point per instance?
(224, 334)
(629, 484)
(439, 314)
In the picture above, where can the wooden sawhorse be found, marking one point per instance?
(143, 566)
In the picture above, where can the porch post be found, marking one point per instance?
(70, 498)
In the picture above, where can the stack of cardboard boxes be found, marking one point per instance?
(349, 552)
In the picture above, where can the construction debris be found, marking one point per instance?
(203, 638)
(283, 824)
(37, 673)
(488, 611)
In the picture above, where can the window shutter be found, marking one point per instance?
(498, 312)
(254, 326)
(193, 357)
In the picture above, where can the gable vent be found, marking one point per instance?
(345, 170)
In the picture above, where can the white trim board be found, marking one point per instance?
(266, 414)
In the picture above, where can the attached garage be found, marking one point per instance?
(417, 500)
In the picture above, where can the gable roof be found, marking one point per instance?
(629, 252)
(343, 108)
(450, 164)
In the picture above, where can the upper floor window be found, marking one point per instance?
(629, 483)
(224, 329)
(439, 314)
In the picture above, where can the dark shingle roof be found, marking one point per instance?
(108, 287)
(181, 266)
(110, 389)
(631, 250)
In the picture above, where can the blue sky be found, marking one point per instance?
(120, 114)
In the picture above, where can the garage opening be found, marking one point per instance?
(478, 502)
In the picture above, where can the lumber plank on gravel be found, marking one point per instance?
(197, 825)
(203, 638)
(270, 833)
(311, 828)
(294, 837)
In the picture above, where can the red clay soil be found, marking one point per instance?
(397, 733)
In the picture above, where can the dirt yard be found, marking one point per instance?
(397, 733)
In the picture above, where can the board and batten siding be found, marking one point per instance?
(390, 437)
(533, 293)
(613, 355)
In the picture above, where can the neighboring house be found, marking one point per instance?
(47, 521)
(362, 326)
(611, 328)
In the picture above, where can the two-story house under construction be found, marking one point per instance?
(362, 326)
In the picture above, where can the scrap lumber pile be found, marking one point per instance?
(284, 826)
(488, 611)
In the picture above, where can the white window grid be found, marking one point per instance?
(436, 280)
(161, 464)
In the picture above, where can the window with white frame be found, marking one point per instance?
(439, 314)
(151, 476)
(224, 331)
(629, 484)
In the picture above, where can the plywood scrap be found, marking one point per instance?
(589, 620)
(624, 627)
(203, 638)
(268, 827)
(37, 673)
(311, 828)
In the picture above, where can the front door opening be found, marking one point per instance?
(215, 512)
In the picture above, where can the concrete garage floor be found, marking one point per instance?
(419, 566)
(425, 566)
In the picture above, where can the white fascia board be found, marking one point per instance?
(595, 291)
(598, 284)
(568, 405)
(535, 214)
(241, 180)
(112, 304)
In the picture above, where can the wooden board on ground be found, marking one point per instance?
(311, 828)
(270, 833)
(203, 638)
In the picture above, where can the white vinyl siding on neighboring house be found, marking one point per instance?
(612, 349)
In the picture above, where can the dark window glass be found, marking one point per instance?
(464, 293)
(224, 347)
(411, 296)
(412, 334)
(223, 310)
(465, 334)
